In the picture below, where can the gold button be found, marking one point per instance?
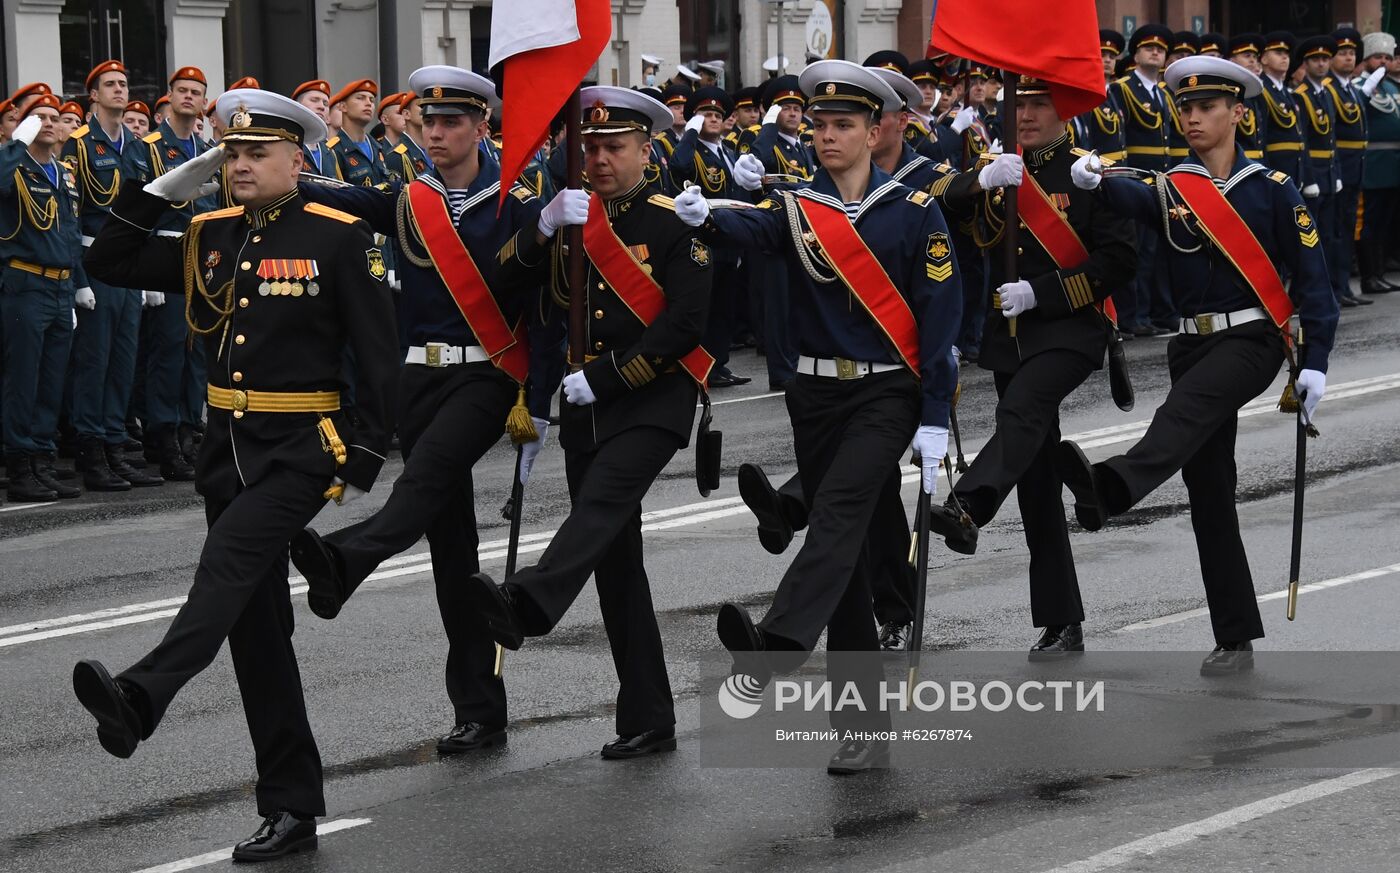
(597, 313)
(257, 239)
(237, 376)
(246, 265)
(601, 286)
(239, 339)
(243, 302)
(238, 413)
(1020, 251)
(598, 346)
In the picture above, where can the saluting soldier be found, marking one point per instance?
(866, 383)
(627, 408)
(1349, 113)
(316, 96)
(39, 217)
(1250, 133)
(104, 154)
(1101, 128)
(175, 370)
(275, 288)
(1049, 329)
(465, 369)
(1230, 221)
(1381, 173)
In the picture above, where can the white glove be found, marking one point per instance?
(350, 494)
(771, 116)
(151, 299)
(931, 444)
(577, 390)
(189, 181)
(85, 298)
(1016, 298)
(1373, 81)
(569, 206)
(75, 318)
(1087, 172)
(394, 283)
(748, 172)
(1310, 385)
(1311, 190)
(994, 148)
(1337, 186)
(963, 119)
(1005, 170)
(692, 207)
(28, 129)
(531, 450)
(696, 122)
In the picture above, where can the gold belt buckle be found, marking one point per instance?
(1205, 324)
(434, 354)
(846, 369)
(240, 400)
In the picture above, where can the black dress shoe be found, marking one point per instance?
(894, 636)
(282, 833)
(856, 756)
(316, 561)
(1349, 302)
(736, 630)
(759, 495)
(1142, 330)
(469, 737)
(726, 379)
(1058, 641)
(955, 526)
(642, 744)
(1374, 285)
(493, 604)
(1359, 301)
(1078, 475)
(1229, 659)
(118, 723)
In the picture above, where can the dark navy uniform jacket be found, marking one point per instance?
(1147, 122)
(1100, 130)
(1349, 112)
(1251, 132)
(1064, 317)
(319, 159)
(780, 156)
(905, 231)
(426, 311)
(101, 166)
(360, 163)
(1202, 279)
(918, 171)
(1318, 118)
(165, 152)
(26, 230)
(281, 342)
(1284, 137)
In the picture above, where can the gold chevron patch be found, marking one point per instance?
(1308, 239)
(940, 273)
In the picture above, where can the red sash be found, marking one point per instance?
(1052, 230)
(858, 268)
(635, 286)
(507, 348)
(1223, 225)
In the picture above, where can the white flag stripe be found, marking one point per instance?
(526, 25)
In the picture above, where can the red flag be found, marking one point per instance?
(1057, 43)
(547, 47)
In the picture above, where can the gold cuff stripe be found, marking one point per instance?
(507, 251)
(637, 372)
(1077, 290)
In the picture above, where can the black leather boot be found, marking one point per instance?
(97, 476)
(42, 465)
(117, 463)
(173, 465)
(24, 488)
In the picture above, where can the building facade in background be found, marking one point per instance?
(284, 42)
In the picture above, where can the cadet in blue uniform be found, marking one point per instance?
(1250, 133)
(361, 162)
(625, 412)
(1317, 113)
(1349, 126)
(175, 370)
(1101, 128)
(858, 398)
(275, 288)
(1230, 346)
(704, 159)
(1285, 130)
(1046, 333)
(454, 399)
(316, 96)
(104, 154)
(42, 248)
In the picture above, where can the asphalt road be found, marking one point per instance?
(99, 577)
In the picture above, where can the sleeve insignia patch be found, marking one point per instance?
(1302, 218)
(700, 253)
(375, 260)
(938, 247)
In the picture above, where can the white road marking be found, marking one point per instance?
(207, 858)
(1272, 595)
(17, 507)
(670, 518)
(1230, 818)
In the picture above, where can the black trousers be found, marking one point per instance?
(449, 418)
(603, 537)
(1021, 455)
(240, 594)
(1194, 431)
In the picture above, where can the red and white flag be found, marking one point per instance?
(546, 47)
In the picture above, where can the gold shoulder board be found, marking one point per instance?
(329, 212)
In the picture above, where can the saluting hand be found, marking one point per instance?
(1087, 172)
(1373, 81)
(189, 181)
(28, 129)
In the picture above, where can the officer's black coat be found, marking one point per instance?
(277, 343)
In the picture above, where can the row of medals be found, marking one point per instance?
(280, 288)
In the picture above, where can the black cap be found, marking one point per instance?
(1124, 66)
(710, 97)
(1111, 41)
(890, 60)
(1321, 46)
(1213, 42)
(746, 97)
(1185, 41)
(924, 71)
(1029, 86)
(1246, 42)
(1150, 34)
(675, 93)
(1347, 37)
(783, 89)
(1280, 40)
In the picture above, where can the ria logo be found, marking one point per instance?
(740, 696)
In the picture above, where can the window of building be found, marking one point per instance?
(132, 31)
